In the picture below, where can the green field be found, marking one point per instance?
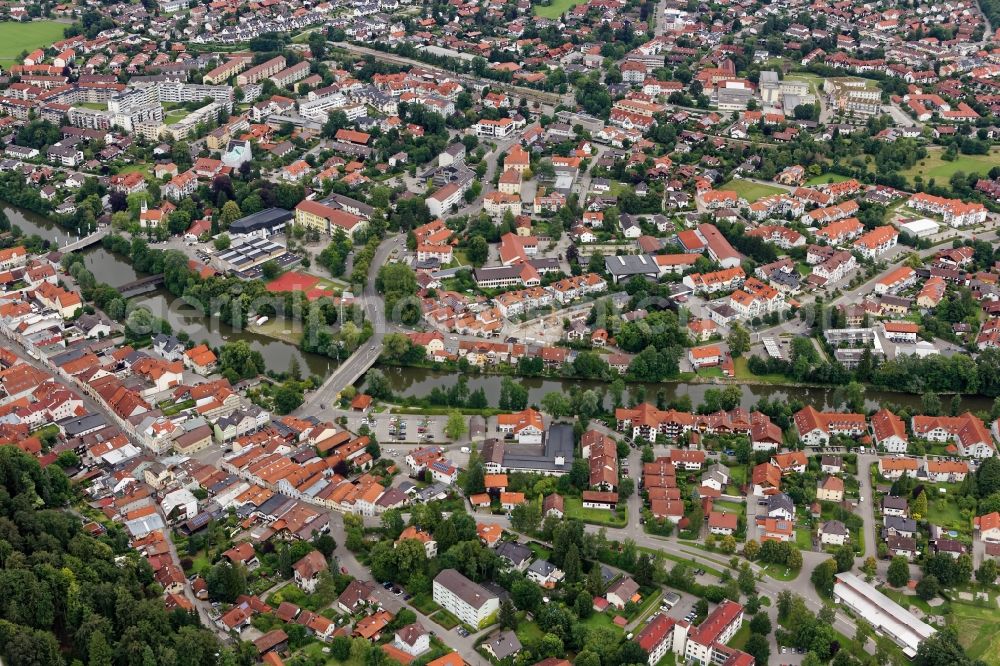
(605, 620)
(944, 512)
(574, 509)
(978, 631)
(136, 168)
(528, 631)
(815, 82)
(739, 639)
(750, 191)
(941, 171)
(17, 37)
(445, 619)
(175, 116)
(279, 329)
(743, 371)
(781, 572)
(556, 8)
(826, 179)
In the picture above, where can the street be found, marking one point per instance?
(367, 354)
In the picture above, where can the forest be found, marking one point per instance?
(70, 598)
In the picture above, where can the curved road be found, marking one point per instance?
(365, 356)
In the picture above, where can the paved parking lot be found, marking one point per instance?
(389, 429)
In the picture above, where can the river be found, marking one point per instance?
(116, 271)
(410, 382)
(418, 382)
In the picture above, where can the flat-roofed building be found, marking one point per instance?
(885, 615)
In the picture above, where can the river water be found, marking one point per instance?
(116, 271)
(416, 382)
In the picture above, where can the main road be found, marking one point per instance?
(364, 356)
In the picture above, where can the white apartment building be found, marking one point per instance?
(468, 601)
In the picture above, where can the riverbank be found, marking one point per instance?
(417, 382)
(279, 349)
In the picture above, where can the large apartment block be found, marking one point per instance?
(261, 71)
(468, 601)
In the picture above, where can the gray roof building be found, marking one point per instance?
(503, 645)
(515, 553)
(82, 425)
(898, 525)
(554, 456)
(473, 594)
(834, 527)
(896, 503)
(625, 266)
(780, 502)
(267, 220)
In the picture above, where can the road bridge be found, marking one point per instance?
(86, 241)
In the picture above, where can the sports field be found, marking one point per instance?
(17, 37)
(313, 286)
(556, 8)
(941, 171)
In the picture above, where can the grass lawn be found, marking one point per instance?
(751, 191)
(574, 509)
(47, 430)
(669, 660)
(934, 167)
(97, 106)
(280, 329)
(978, 631)
(827, 178)
(425, 604)
(616, 187)
(538, 550)
(690, 561)
(178, 407)
(528, 631)
(908, 600)
(17, 37)
(729, 507)
(803, 538)
(781, 572)
(714, 371)
(944, 513)
(556, 8)
(602, 620)
(445, 619)
(136, 168)
(743, 372)
(313, 652)
(738, 474)
(175, 116)
(200, 563)
(739, 639)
